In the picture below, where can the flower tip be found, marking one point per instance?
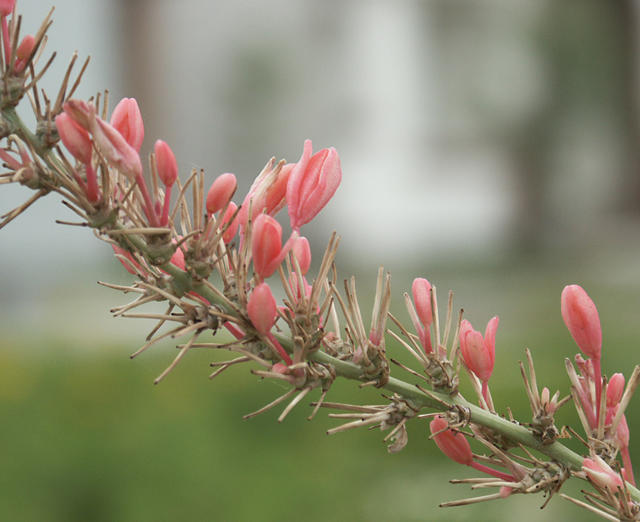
(261, 308)
(582, 320)
(221, 192)
(165, 163)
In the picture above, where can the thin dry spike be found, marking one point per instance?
(65, 81)
(532, 373)
(416, 353)
(376, 419)
(293, 403)
(602, 408)
(591, 508)
(227, 364)
(533, 399)
(36, 79)
(122, 288)
(626, 397)
(271, 404)
(180, 197)
(160, 322)
(468, 501)
(149, 231)
(449, 320)
(583, 419)
(407, 369)
(478, 480)
(434, 397)
(318, 404)
(12, 214)
(417, 348)
(395, 430)
(180, 355)
(152, 342)
(119, 310)
(177, 318)
(271, 375)
(455, 345)
(237, 360)
(169, 296)
(345, 312)
(436, 319)
(346, 407)
(577, 435)
(361, 416)
(79, 78)
(377, 301)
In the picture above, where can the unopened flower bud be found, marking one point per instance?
(601, 474)
(453, 445)
(23, 52)
(266, 245)
(74, 137)
(261, 308)
(127, 120)
(6, 7)
(83, 113)
(230, 233)
(615, 389)
(221, 192)
(166, 163)
(116, 150)
(421, 290)
(302, 251)
(312, 183)
(478, 352)
(581, 317)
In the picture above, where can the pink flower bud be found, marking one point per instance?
(601, 474)
(23, 52)
(6, 7)
(274, 196)
(262, 308)
(166, 163)
(453, 445)
(581, 317)
(622, 433)
(302, 251)
(116, 150)
(83, 113)
(177, 259)
(74, 137)
(266, 245)
(127, 120)
(221, 192)
(615, 390)
(312, 183)
(267, 193)
(230, 233)
(421, 290)
(479, 353)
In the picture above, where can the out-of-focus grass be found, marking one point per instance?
(89, 437)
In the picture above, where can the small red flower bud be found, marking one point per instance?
(116, 150)
(601, 474)
(23, 52)
(221, 192)
(312, 183)
(615, 389)
(479, 353)
(302, 251)
(266, 245)
(74, 137)
(127, 120)
(166, 163)
(453, 445)
(581, 317)
(230, 233)
(6, 7)
(261, 308)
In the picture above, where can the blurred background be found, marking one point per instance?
(491, 147)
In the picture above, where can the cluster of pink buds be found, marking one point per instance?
(119, 142)
(479, 353)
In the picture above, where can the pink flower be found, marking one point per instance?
(453, 445)
(267, 193)
(230, 233)
(116, 150)
(581, 317)
(615, 390)
(302, 251)
(166, 163)
(127, 120)
(266, 245)
(221, 192)
(23, 52)
(261, 308)
(601, 474)
(312, 183)
(6, 7)
(479, 353)
(421, 291)
(74, 137)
